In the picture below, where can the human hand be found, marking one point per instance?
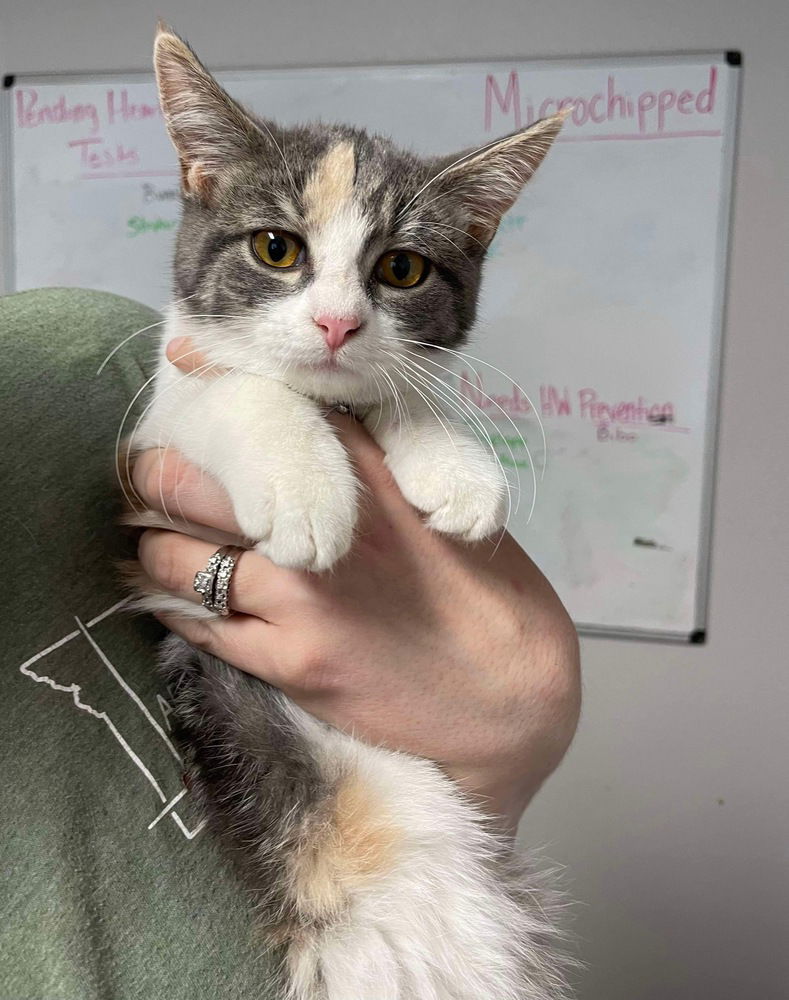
(460, 654)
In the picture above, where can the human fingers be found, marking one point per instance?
(244, 641)
(171, 560)
(165, 481)
(182, 353)
(384, 499)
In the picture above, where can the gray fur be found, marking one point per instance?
(249, 768)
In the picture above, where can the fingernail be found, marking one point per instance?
(173, 349)
(142, 467)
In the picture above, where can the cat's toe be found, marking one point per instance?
(308, 539)
(463, 494)
(302, 517)
(472, 513)
(254, 516)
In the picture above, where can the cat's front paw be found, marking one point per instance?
(461, 489)
(302, 514)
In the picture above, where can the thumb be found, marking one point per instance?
(182, 353)
(370, 465)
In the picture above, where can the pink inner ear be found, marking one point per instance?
(195, 180)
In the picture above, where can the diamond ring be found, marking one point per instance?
(213, 582)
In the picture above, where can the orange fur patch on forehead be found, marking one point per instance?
(330, 185)
(356, 843)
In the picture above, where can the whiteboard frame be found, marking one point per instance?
(723, 237)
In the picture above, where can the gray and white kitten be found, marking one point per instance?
(314, 265)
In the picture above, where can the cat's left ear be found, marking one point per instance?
(209, 130)
(490, 179)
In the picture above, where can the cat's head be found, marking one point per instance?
(329, 253)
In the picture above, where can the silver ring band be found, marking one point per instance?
(222, 581)
(213, 582)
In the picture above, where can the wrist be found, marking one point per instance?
(503, 798)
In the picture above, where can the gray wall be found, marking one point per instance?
(672, 810)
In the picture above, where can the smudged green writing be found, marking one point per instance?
(138, 224)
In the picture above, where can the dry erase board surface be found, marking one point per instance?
(602, 300)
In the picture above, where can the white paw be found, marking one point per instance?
(462, 489)
(300, 511)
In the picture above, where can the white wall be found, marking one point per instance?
(672, 809)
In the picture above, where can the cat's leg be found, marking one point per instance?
(289, 479)
(441, 467)
(371, 871)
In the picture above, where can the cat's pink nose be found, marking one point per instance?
(336, 329)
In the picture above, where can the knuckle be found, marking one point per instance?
(311, 671)
(202, 636)
(160, 554)
(561, 687)
(167, 479)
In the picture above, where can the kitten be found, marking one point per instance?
(309, 261)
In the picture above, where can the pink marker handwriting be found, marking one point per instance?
(121, 109)
(31, 112)
(118, 109)
(588, 405)
(95, 154)
(513, 402)
(507, 106)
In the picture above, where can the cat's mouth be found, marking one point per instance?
(331, 364)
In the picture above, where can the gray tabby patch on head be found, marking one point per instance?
(329, 247)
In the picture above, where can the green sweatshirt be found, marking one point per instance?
(112, 890)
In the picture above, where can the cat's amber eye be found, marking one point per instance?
(277, 248)
(402, 268)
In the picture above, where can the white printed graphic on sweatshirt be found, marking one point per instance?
(82, 632)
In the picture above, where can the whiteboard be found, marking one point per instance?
(603, 297)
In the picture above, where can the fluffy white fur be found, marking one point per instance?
(444, 923)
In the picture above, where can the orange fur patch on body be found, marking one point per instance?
(356, 843)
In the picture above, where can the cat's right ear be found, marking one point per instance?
(208, 129)
(489, 179)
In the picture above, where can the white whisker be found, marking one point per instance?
(437, 232)
(466, 413)
(446, 225)
(468, 358)
(396, 396)
(380, 403)
(137, 334)
(515, 427)
(125, 341)
(512, 423)
(218, 378)
(127, 466)
(453, 405)
(294, 189)
(461, 159)
(161, 322)
(433, 408)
